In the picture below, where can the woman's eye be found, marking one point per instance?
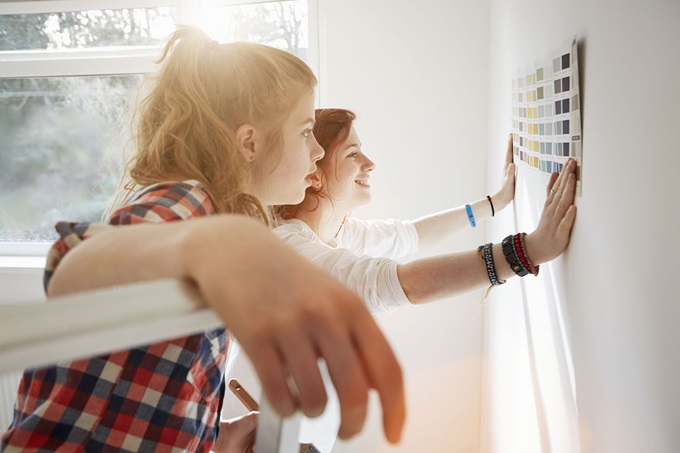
(352, 154)
(307, 132)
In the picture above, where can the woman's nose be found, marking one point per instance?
(369, 165)
(318, 152)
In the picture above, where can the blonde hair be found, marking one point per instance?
(203, 92)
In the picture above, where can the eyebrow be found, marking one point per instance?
(308, 120)
(358, 145)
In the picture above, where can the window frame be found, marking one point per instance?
(111, 61)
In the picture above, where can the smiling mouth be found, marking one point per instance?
(363, 182)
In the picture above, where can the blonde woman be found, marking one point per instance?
(224, 133)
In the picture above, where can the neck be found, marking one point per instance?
(325, 221)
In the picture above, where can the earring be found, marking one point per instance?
(318, 187)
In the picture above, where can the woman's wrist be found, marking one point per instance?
(534, 250)
(500, 201)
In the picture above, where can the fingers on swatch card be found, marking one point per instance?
(546, 114)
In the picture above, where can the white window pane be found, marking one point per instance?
(52, 164)
(83, 29)
(279, 24)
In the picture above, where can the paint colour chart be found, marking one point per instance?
(546, 114)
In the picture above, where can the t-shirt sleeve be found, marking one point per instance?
(390, 238)
(373, 279)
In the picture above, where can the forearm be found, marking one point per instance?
(429, 279)
(436, 228)
(137, 253)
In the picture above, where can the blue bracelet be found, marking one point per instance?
(471, 216)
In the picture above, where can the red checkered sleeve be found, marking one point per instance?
(164, 202)
(160, 397)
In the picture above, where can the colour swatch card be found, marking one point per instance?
(546, 114)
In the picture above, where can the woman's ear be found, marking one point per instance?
(317, 184)
(246, 137)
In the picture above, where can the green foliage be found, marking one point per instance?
(52, 130)
(23, 31)
(78, 29)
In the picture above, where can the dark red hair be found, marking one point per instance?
(331, 128)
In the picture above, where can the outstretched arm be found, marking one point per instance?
(284, 311)
(436, 228)
(429, 279)
(384, 285)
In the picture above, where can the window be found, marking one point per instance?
(69, 69)
(279, 24)
(53, 130)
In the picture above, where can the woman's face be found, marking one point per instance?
(347, 173)
(287, 182)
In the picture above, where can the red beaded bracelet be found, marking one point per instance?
(523, 255)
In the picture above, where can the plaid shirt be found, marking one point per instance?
(161, 397)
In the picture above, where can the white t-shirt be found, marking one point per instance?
(361, 258)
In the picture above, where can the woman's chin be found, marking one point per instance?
(289, 199)
(363, 200)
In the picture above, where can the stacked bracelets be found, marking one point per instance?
(516, 255)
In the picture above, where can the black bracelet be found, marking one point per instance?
(490, 268)
(511, 257)
(493, 211)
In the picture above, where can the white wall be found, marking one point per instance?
(620, 269)
(416, 74)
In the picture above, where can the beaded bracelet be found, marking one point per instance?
(511, 256)
(486, 255)
(523, 255)
(487, 258)
(516, 247)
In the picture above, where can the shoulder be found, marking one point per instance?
(165, 202)
(292, 227)
(297, 234)
(354, 227)
(389, 238)
(358, 227)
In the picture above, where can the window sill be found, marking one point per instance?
(22, 262)
(23, 255)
